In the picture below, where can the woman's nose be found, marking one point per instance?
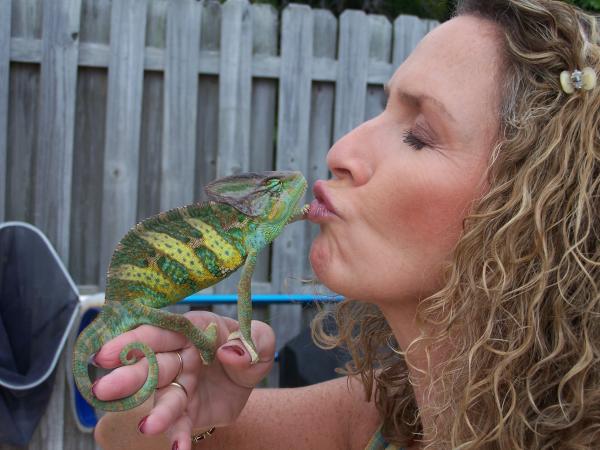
(351, 157)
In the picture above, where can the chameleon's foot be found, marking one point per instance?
(299, 214)
(210, 334)
(249, 345)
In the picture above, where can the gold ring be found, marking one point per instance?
(180, 365)
(200, 436)
(181, 386)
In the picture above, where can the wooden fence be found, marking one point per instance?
(111, 111)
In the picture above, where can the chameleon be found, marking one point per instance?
(176, 253)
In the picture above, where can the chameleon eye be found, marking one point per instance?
(273, 184)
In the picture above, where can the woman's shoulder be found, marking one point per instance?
(363, 419)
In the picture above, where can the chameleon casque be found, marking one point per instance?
(167, 257)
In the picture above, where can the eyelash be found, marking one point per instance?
(411, 139)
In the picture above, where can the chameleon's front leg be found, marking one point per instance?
(299, 214)
(244, 305)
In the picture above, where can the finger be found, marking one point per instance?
(159, 339)
(170, 404)
(181, 432)
(126, 380)
(236, 360)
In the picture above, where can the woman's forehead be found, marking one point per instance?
(455, 65)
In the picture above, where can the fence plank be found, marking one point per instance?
(408, 31)
(208, 101)
(181, 95)
(353, 61)
(321, 116)
(90, 118)
(54, 159)
(292, 154)
(123, 117)
(5, 16)
(235, 83)
(23, 117)
(321, 132)
(380, 52)
(264, 107)
(149, 183)
(180, 108)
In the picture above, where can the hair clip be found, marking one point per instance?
(585, 79)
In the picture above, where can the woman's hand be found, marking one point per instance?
(216, 394)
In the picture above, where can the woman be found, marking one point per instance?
(466, 220)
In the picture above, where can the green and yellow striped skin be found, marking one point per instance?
(172, 255)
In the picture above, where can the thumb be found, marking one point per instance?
(235, 359)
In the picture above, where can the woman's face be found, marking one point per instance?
(393, 211)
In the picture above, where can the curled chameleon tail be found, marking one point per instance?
(89, 342)
(172, 255)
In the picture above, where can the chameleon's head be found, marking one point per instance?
(270, 197)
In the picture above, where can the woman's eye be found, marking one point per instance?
(411, 139)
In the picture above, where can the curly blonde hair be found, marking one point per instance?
(522, 292)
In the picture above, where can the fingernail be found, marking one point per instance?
(92, 359)
(234, 348)
(94, 387)
(175, 446)
(141, 424)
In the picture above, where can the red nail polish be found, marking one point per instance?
(141, 424)
(175, 446)
(234, 348)
(94, 387)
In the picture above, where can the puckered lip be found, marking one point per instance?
(322, 207)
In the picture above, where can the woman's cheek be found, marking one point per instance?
(319, 256)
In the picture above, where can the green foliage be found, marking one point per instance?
(435, 9)
(591, 5)
(431, 9)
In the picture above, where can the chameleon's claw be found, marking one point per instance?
(249, 345)
(300, 214)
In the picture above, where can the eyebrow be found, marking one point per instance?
(417, 100)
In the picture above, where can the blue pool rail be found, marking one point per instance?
(213, 299)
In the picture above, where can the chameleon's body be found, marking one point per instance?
(172, 255)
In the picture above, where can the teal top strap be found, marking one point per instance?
(377, 442)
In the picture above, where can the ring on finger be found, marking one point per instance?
(180, 365)
(180, 386)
